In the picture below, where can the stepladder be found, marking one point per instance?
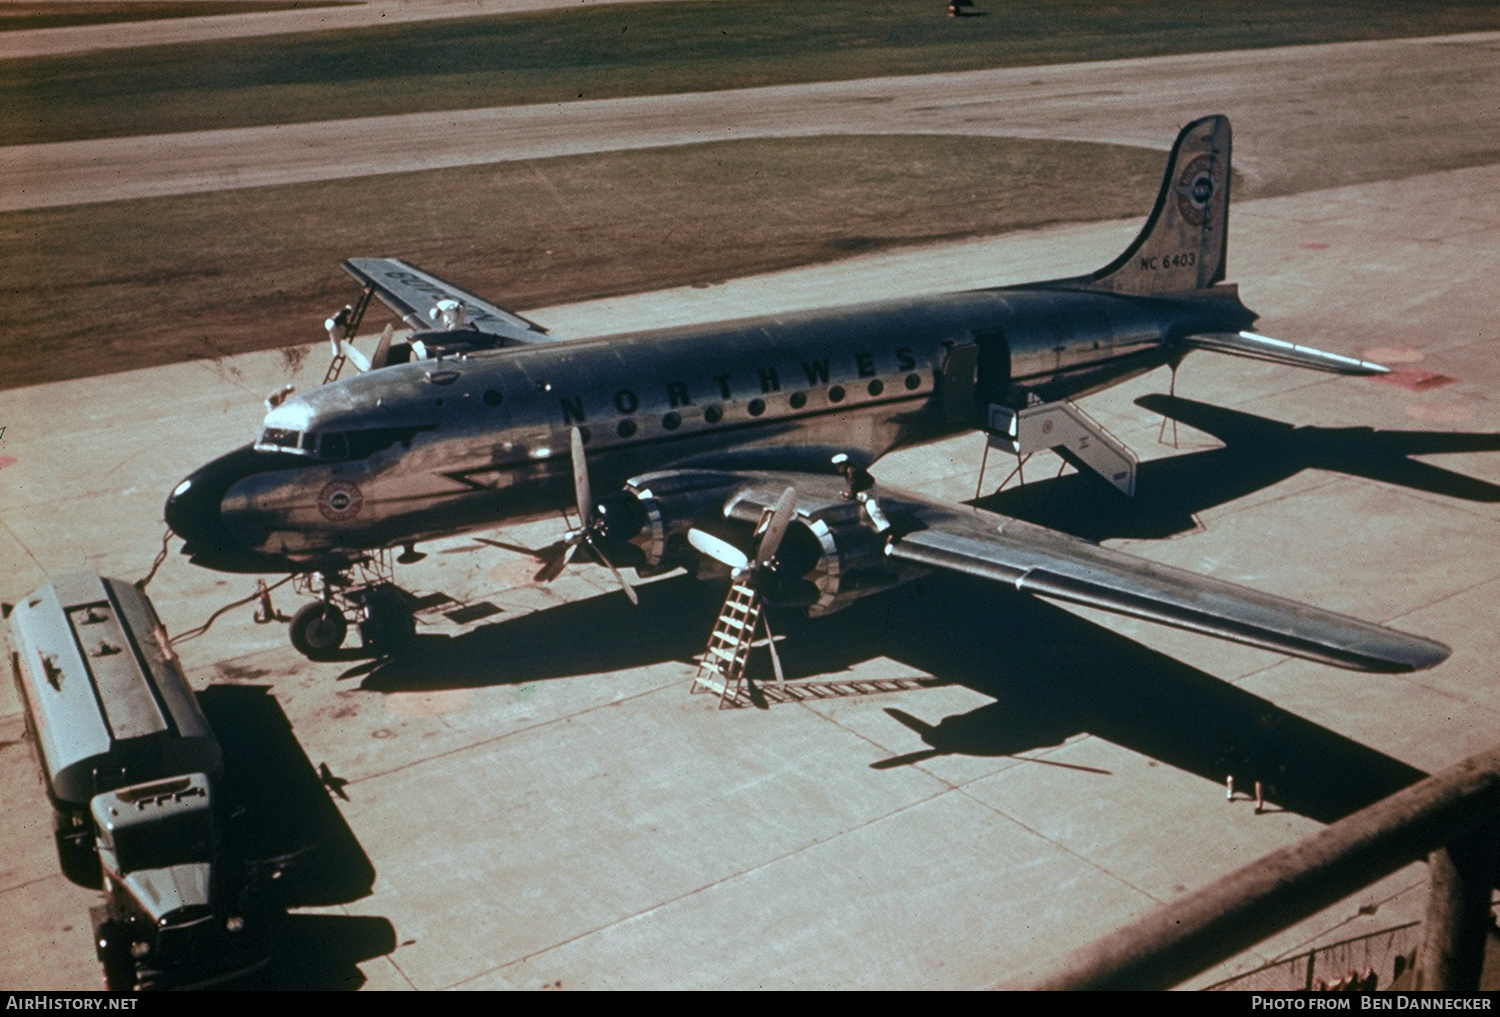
(722, 669)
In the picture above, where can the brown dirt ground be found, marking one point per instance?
(109, 287)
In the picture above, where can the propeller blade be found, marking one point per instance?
(382, 354)
(771, 645)
(358, 359)
(781, 517)
(630, 593)
(719, 550)
(584, 500)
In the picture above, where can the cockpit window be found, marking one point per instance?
(333, 446)
(276, 437)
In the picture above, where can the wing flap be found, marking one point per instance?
(1049, 564)
(414, 293)
(1279, 351)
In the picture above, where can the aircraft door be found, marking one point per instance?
(993, 381)
(956, 381)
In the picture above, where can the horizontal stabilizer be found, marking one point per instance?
(1279, 351)
(415, 295)
(1049, 564)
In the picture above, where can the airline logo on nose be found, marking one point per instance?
(339, 501)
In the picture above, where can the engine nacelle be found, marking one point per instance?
(850, 560)
(650, 518)
(830, 556)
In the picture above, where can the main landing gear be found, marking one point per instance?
(384, 614)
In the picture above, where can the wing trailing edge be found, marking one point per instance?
(1052, 565)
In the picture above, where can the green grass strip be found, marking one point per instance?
(599, 52)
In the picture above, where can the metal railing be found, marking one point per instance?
(1452, 818)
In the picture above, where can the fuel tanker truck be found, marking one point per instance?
(130, 767)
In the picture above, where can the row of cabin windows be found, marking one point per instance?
(358, 444)
(672, 420)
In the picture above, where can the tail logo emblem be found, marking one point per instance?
(1195, 189)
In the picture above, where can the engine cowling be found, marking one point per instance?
(647, 522)
(830, 557)
(849, 562)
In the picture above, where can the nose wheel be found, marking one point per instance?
(318, 630)
(384, 613)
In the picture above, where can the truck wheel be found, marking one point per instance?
(113, 947)
(79, 861)
(318, 630)
(389, 624)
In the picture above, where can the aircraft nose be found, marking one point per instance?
(192, 511)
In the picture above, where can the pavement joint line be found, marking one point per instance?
(1059, 845)
(33, 882)
(963, 789)
(659, 905)
(390, 958)
(1232, 510)
(1431, 498)
(509, 734)
(22, 544)
(890, 753)
(1467, 704)
(1440, 599)
(1458, 505)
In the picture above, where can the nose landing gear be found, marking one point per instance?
(318, 630)
(384, 614)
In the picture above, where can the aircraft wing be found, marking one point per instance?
(1054, 565)
(1046, 563)
(414, 294)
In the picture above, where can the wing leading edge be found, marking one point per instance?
(1049, 564)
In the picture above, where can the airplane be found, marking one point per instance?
(745, 446)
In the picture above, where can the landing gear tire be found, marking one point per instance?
(318, 630)
(389, 624)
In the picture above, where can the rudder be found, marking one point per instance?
(1182, 246)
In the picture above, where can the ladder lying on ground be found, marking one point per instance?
(723, 667)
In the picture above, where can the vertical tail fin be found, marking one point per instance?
(1182, 246)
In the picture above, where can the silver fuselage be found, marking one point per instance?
(410, 452)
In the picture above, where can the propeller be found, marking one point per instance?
(362, 363)
(771, 530)
(557, 556)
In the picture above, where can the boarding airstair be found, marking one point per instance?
(1066, 428)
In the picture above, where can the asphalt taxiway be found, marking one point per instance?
(204, 28)
(535, 800)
